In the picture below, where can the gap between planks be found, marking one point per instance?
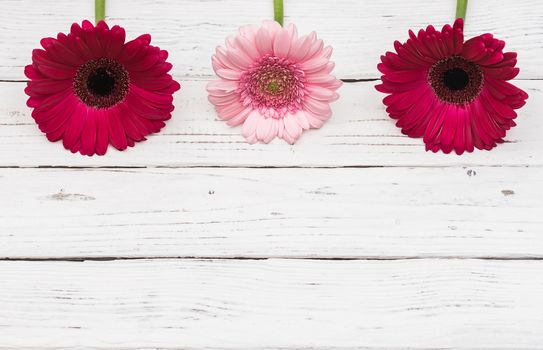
(131, 167)
(257, 258)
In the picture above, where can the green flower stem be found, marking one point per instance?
(461, 6)
(99, 10)
(278, 11)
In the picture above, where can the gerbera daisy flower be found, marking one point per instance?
(452, 93)
(273, 82)
(90, 88)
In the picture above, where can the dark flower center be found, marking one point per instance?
(101, 83)
(456, 80)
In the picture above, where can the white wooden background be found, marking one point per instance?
(354, 238)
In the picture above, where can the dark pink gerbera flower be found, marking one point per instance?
(453, 93)
(90, 88)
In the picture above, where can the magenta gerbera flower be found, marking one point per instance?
(90, 88)
(273, 82)
(453, 93)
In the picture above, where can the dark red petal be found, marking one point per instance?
(40, 57)
(92, 40)
(144, 61)
(157, 99)
(152, 82)
(127, 119)
(414, 121)
(46, 87)
(102, 132)
(102, 25)
(87, 25)
(73, 130)
(435, 122)
(32, 73)
(405, 76)
(82, 48)
(62, 51)
(51, 101)
(117, 136)
(88, 135)
(145, 110)
(115, 43)
(55, 123)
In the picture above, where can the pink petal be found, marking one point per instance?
(239, 59)
(229, 111)
(264, 42)
(301, 46)
(222, 85)
(301, 118)
(264, 129)
(321, 93)
(314, 122)
(229, 74)
(318, 108)
(240, 118)
(272, 26)
(315, 64)
(292, 127)
(314, 49)
(223, 100)
(248, 47)
(250, 124)
(281, 44)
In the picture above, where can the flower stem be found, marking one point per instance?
(461, 6)
(99, 10)
(278, 11)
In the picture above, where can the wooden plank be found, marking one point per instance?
(359, 134)
(362, 213)
(273, 304)
(360, 31)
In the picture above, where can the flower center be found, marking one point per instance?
(101, 83)
(456, 80)
(273, 85)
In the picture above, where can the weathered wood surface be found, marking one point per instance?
(357, 189)
(272, 304)
(319, 213)
(358, 134)
(359, 31)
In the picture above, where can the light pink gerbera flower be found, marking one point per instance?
(273, 82)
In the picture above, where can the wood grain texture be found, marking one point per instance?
(412, 250)
(325, 213)
(359, 134)
(359, 31)
(272, 304)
